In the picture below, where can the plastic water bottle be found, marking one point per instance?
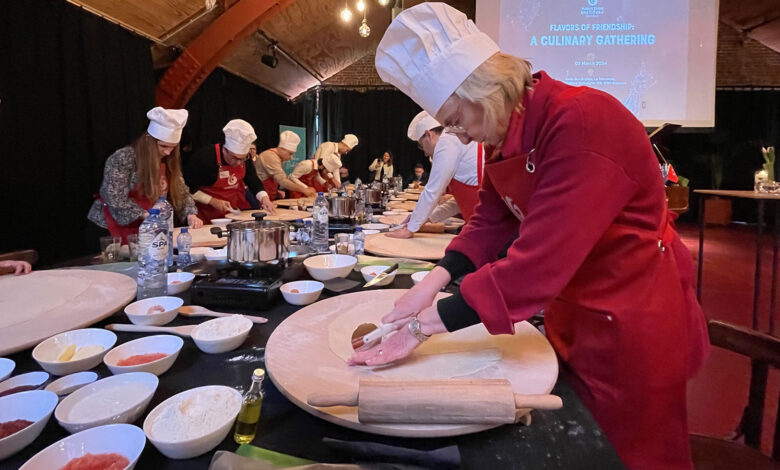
(183, 243)
(153, 247)
(166, 212)
(320, 215)
(304, 234)
(359, 240)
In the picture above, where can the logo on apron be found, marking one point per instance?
(513, 208)
(232, 180)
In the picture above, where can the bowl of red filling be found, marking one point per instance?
(154, 354)
(23, 416)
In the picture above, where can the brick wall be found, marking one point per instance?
(741, 62)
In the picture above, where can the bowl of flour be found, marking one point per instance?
(193, 422)
(222, 334)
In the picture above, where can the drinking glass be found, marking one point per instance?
(132, 245)
(109, 248)
(342, 243)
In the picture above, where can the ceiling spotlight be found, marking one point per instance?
(270, 59)
(361, 5)
(384, 3)
(364, 30)
(346, 14)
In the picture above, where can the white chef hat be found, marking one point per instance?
(350, 140)
(289, 140)
(331, 162)
(421, 123)
(239, 135)
(166, 124)
(429, 50)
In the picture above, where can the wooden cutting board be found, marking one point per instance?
(405, 205)
(281, 215)
(393, 219)
(423, 246)
(411, 196)
(44, 303)
(202, 237)
(300, 361)
(294, 202)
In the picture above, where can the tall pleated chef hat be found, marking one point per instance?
(421, 123)
(331, 162)
(429, 50)
(350, 140)
(239, 136)
(166, 124)
(289, 140)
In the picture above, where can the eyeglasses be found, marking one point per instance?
(453, 125)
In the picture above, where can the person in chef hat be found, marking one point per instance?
(219, 174)
(339, 149)
(269, 167)
(320, 174)
(571, 171)
(136, 175)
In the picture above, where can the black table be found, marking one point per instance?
(564, 439)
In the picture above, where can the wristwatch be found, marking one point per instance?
(414, 329)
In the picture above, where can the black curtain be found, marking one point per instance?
(73, 88)
(380, 119)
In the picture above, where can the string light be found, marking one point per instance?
(346, 14)
(384, 3)
(364, 30)
(361, 5)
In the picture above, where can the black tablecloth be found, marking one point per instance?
(565, 439)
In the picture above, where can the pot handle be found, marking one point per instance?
(218, 232)
(259, 216)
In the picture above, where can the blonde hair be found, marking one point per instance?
(497, 85)
(147, 163)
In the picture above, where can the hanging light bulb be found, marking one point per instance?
(346, 14)
(364, 30)
(384, 3)
(361, 5)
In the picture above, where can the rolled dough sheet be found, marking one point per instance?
(434, 359)
(24, 298)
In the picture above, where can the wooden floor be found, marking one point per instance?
(717, 395)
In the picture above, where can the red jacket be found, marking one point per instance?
(595, 253)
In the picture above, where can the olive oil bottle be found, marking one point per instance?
(252, 402)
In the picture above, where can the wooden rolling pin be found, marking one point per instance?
(431, 227)
(454, 401)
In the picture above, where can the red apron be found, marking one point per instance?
(140, 198)
(270, 185)
(467, 196)
(229, 187)
(611, 358)
(310, 179)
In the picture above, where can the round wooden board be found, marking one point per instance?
(202, 237)
(106, 292)
(294, 202)
(281, 215)
(299, 361)
(411, 196)
(393, 219)
(423, 246)
(405, 205)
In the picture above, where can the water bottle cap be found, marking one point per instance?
(308, 222)
(358, 229)
(154, 211)
(161, 198)
(185, 229)
(320, 194)
(299, 221)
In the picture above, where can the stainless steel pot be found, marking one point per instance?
(256, 241)
(373, 196)
(342, 207)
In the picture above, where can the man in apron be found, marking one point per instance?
(339, 149)
(269, 167)
(317, 174)
(218, 177)
(455, 167)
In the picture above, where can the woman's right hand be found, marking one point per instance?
(418, 297)
(220, 205)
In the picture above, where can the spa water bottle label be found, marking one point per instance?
(158, 249)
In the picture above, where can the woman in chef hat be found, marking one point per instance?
(317, 173)
(136, 175)
(596, 249)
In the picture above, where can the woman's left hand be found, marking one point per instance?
(268, 205)
(402, 232)
(193, 221)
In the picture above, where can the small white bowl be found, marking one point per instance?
(419, 276)
(7, 366)
(82, 409)
(166, 344)
(216, 255)
(179, 282)
(308, 292)
(220, 345)
(70, 383)
(47, 352)
(198, 253)
(370, 272)
(36, 406)
(370, 232)
(325, 267)
(37, 378)
(379, 227)
(221, 222)
(123, 439)
(210, 438)
(137, 311)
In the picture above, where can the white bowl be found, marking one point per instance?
(179, 282)
(369, 272)
(47, 352)
(370, 232)
(117, 399)
(419, 275)
(325, 267)
(216, 255)
(166, 344)
(36, 406)
(206, 439)
(123, 439)
(37, 378)
(7, 366)
(70, 383)
(308, 292)
(223, 344)
(379, 227)
(198, 253)
(137, 311)
(221, 222)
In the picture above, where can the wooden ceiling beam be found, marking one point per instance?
(215, 43)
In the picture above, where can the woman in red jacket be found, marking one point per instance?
(596, 249)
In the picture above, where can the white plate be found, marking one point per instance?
(46, 353)
(375, 226)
